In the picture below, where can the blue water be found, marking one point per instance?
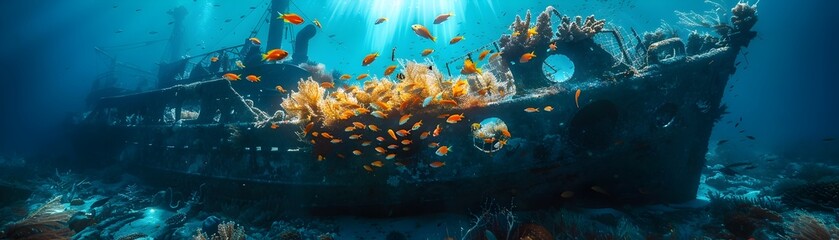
(785, 90)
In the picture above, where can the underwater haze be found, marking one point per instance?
(341, 119)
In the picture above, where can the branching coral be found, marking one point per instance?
(303, 103)
(48, 222)
(521, 42)
(706, 19)
(808, 227)
(744, 16)
(578, 30)
(226, 231)
(318, 71)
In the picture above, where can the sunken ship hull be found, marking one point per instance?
(632, 136)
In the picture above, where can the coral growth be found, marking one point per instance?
(318, 71)
(742, 217)
(819, 195)
(226, 231)
(314, 103)
(578, 30)
(744, 16)
(47, 222)
(808, 227)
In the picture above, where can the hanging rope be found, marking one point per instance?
(230, 32)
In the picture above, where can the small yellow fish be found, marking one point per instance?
(392, 134)
(362, 76)
(377, 164)
(317, 23)
(427, 52)
(345, 77)
(368, 168)
(349, 129)
(336, 140)
(255, 41)
(469, 67)
(356, 152)
(531, 110)
(483, 55)
(240, 64)
(389, 70)
(532, 31)
(373, 128)
(280, 89)
(380, 20)
(417, 125)
(548, 108)
(390, 156)
(577, 98)
(355, 136)
(406, 142)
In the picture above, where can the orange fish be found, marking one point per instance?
(433, 145)
(469, 67)
(505, 133)
(231, 77)
(531, 110)
(417, 125)
(274, 55)
(437, 131)
(214, 59)
(317, 23)
(443, 151)
(377, 164)
(369, 59)
(349, 129)
(255, 41)
(577, 98)
(373, 128)
(291, 18)
(424, 135)
(454, 118)
(442, 18)
(406, 142)
(392, 146)
(366, 143)
(404, 118)
(402, 132)
(368, 168)
(345, 77)
(326, 135)
(308, 128)
(356, 152)
(389, 70)
(358, 125)
(489, 140)
(275, 126)
(449, 102)
(483, 55)
(390, 156)
(336, 140)
(327, 85)
(253, 78)
(548, 108)
(423, 32)
(437, 164)
(380, 139)
(392, 134)
(427, 52)
(381, 150)
(280, 89)
(443, 115)
(527, 56)
(456, 39)
(321, 158)
(552, 46)
(380, 20)
(355, 136)
(494, 55)
(315, 134)
(379, 114)
(362, 76)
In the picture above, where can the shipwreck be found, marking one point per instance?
(630, 126)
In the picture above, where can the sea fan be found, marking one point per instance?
(48, 222)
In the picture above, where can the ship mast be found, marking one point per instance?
(173, 51)
(275, 28)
